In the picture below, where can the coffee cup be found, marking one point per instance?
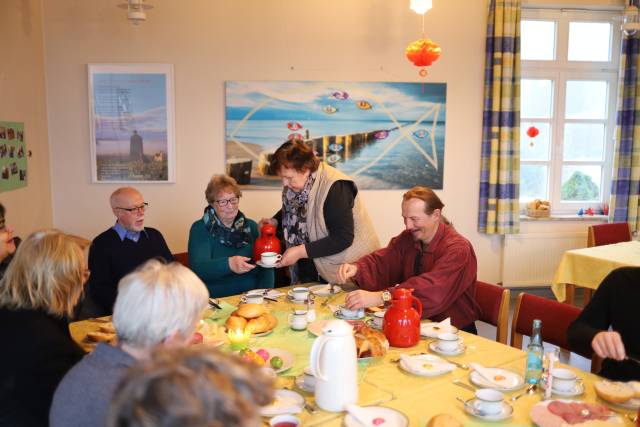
(489, 401)
(254, 299)
(308, 378)
(563, 379)
(448, 341)
(270, 258)
(286, 420)
(378, 319)
(351, 314)
(298, 320)
(300, 293)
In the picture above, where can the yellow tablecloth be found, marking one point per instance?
(587, 267)
(382, 382)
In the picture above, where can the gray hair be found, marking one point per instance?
(156, 301)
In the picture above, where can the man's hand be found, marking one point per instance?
(265, 221)
(292, 255)
(608, 344)
(239, 265)
(362, 299)
(346, 272)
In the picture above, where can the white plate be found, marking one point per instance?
(325, 290)
(471, 408)
(433, 346)
(302, 385)
(339, 315)
(285, 402)
(316, 326)
(428, 329)
(287, 358)
(577, 390)
(438, 366)
(511, 381)
(542, 417)
(391, 417)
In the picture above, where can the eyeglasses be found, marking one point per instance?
(143, 207)
(223, 202)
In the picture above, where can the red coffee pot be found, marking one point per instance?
(267, 242)
(401, 323)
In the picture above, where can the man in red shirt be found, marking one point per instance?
(429, 256)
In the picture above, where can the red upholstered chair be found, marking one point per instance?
(607, 234)
(182, 258)
(556, 318)
(494, 307)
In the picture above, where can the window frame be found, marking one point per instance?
(559, 71)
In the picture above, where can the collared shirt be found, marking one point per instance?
(123, 233)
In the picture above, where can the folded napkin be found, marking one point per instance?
(486, 374)
(281, 405)
(362, 415)
(445, 323)
(416, 363)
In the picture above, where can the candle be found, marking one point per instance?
(239, 339)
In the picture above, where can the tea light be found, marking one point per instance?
(239, 339)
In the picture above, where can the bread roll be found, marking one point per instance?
(272, 320)
(370, 342)
(97, 336)
(443, 420)
(615, 392)
(251, 311)
(259, 324)
(236, 322)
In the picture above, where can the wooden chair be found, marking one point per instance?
(182, 258)
(494, 308)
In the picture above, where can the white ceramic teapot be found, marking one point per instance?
(334, 364)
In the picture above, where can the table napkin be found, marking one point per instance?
(484, 373)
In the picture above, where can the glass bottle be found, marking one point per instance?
(534, 354)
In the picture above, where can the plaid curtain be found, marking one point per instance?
(499, 210)
(625, 185)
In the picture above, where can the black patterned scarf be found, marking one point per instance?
(236, 236)
(294, 218)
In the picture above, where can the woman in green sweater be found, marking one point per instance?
(221, 243)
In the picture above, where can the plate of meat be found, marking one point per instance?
(560, 413)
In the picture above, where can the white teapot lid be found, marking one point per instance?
(337, 328)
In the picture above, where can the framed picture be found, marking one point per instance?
(132, 123)
(13, 156)
(384, 135)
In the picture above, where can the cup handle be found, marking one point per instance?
(278, 257)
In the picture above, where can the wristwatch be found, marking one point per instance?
(386, 296)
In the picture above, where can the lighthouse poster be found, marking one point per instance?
(384, 135)
(132, 123)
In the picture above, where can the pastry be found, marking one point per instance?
(370, 342)
(251, 311)
(97, 336)
(612, 391)
(236, 322)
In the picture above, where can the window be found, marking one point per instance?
(568, 93)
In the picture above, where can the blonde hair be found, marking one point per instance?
(157, 300)
(191, 387)
(219, 183)
(47, 273)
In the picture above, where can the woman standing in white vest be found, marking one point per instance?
(322, 217)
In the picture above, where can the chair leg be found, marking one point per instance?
(588, 293)
(570, 291)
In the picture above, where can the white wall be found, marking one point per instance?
(22, 99)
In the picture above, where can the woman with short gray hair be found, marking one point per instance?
(157, 305)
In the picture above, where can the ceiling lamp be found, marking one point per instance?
(136, 11)
(420, 6)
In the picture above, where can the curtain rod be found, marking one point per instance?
(616, 9)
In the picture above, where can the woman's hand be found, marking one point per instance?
(240, 265)
(346, 272)
(363, 299)
(265, 221)
(292, 255)
(608, 344)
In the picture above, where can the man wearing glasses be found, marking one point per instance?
(8, 243)
(119, 250)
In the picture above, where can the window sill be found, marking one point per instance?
(583, 218)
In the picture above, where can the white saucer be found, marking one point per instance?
(434, 365)
(285, 402)
(392, 418)
(265, 266)
(433, 346)
(509, 381)
(339, 315)
(370, 323)
(302, 385)
(577, 390)
(471, 408)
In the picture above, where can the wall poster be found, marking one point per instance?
(132, 123)
(13, 156)
(384, 135)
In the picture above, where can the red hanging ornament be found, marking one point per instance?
(532, 132)
(423, 53)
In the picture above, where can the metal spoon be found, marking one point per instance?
(530, 390)
(471, 408)
(459, 383)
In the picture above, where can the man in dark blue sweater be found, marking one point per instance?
(120, 250)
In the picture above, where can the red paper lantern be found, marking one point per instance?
(532, 132)
(423, 53)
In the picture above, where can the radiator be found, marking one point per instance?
(530, 260)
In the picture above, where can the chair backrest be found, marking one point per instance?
(556, 318)
(494, 307)
(607, 234)
(182, 258)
